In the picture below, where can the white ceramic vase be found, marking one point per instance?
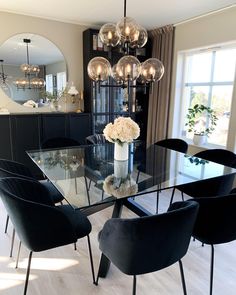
(199, 139)
(121, 151)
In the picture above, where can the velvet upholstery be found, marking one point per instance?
(39, 224)
(175, 144)
(95, 139)
(59, 142)
(147, 244)
(216, 222)
(15, 169)
(217, 186)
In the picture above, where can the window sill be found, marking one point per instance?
(193, 148)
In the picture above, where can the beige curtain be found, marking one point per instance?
(159, 100)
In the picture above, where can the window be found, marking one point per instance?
(208, 78)
(61, 81)
(49, 83)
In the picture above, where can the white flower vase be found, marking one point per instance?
(121, 169)
(121, 151)
(199, 139)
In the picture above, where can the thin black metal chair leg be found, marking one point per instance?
(27, 273)
(157, 202)
(12, 241)
(134, 285)
(182, 277)
(102, 195)
(90, 181)
(76, 189)
(18, 255)
(172, 196)
(75, 247)
(212, 269)
(182, 195)
(91, 260)
(6, 226)
(87, 189)
(137, 177)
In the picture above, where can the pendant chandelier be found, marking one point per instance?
(3, 76)
(30, 80)
(130, 36)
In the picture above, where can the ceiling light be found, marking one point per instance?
(31, 79)
(128, 34)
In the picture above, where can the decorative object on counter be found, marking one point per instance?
(31, 79)
(4, 111)
(201, 121)
(123, 131)
(30, 103)
(128, 69)
(73, 92)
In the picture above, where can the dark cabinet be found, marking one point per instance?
(5, 143)
(25, 136)
(54, 125)
(79, 127)
(20, 133)
(112, 102)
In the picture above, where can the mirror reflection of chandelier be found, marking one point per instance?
(130, 35)
(31, 79)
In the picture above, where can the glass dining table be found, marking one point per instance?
(90, 179)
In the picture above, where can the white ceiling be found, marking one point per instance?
(149, 13)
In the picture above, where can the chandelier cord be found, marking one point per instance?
(124, 8)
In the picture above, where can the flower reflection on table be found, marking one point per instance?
(120, 184)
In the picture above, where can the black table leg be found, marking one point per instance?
(104, 261)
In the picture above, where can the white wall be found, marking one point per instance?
(203, 32)
(67, 37)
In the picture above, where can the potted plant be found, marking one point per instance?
(201, 120)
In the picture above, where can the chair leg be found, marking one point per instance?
(137, 177)
(87, 189)
(134, 285)
(212, 269)
(91, 260)
(90, 181)
(75, 247)
(12, 242)
(157, 202)
(172, 196)
(18, 255)
(27, 273)
(182, 277)
(6, 226)
(182, 195)
(76, 189)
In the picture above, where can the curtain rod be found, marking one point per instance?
(203, 15)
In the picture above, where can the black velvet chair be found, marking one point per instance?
(96, 139)
(15, 169)
(40, 224)
(147, 244)
(215, 223)
(175, 144)
(217, 186)
(59, 142)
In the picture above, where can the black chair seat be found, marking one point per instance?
(80, 222)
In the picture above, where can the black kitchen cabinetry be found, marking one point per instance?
(22, 132)
(112, 102)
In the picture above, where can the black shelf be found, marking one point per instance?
(104, 106)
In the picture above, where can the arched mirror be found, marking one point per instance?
(30, 65)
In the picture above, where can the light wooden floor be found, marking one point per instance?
(63, 271)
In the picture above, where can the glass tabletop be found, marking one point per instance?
(88, 175)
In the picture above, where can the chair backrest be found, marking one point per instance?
(219, 156)
(39, 224)
(146, 244)
(96, 139)
(216, 222)
(176, 144)
(59, 142)
(14, 169)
